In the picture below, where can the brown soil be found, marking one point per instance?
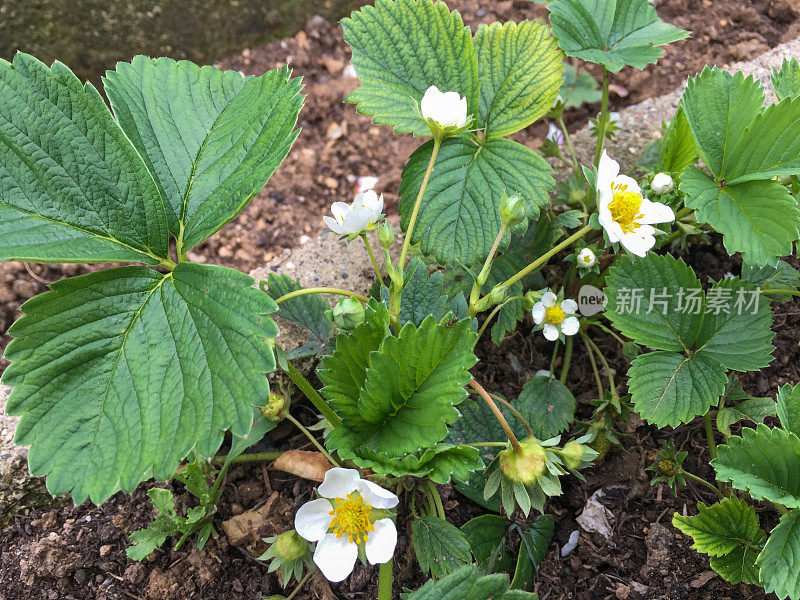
(78, 552)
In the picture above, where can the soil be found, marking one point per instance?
(78, 552)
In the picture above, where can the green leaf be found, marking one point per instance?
(678, 149)
(532, 550)
(307, 311)
(520, 71)
(409, 391)
(789, 408)
(786, 81)
(422, 295)
(760, 219)
(400, 49)
(119, 374)
(670, 389)
(763, 462)
(459, 217)
(464, 584)
(614, 33)
(739, 566)
(72, 187)
(780, 559)
(145, 541)
(719, 529)
(547, 405)
(781, 276)
(440, 547)
(578, 88)
(752, 409)
(211, 138)
(486, 535)
(657, 301)
(736, 327)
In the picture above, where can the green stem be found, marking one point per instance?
(299, 585)
(413, 220)
(245, 458)
(567, 359)
(779, 292)
(547, 255)
(371, 256)
(321, 290)
(313, 395)
(712, 444)
(494, 312)
(598, 380)
(498, 415)
(487, 265)
(514, 412)
(702, 481)
(314, 441)
(603, 361)
(610, 332)
(602, 121)
(437, 499)
(487, 444)
(385, 581)
(576, 165)
(682, 213)
(167, 263)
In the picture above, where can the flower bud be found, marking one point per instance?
(512, 209)
(572, 454)
(498, 294)
(662, 184)
(531, 298)
(586, 259)
(348, 313)
(526, 465)
(444, 109)
(385, 235)
(274, 409)
(290, 546)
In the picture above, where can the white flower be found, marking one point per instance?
(555, 134)
(662, 184)
(555, 317)
(352, 513)
(627, 217)
(448, 109)
(356, 217)
(586, 258)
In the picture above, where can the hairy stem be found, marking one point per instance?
(371, 255)
(514, 412)
(314, 441)
(299, 585)
(413, 220)
(494, 312)
(712, 444)
(313, 395)
(385, 581)
(498, 415)
(321, 290)
(702, 481)
(603, 120)
(598, 380)
(245, 458)
(603, 361)
(567, 359)
(576, 165)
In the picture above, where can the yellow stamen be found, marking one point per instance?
(554, 315)
(625, 208)
(351, 518)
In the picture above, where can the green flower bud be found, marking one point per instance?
(512, 209)
(526, 465)
(385, 234)
(531, 298)
(290, 546)
(348, 313)
(572, 454)
(498, 294)
(274, 409)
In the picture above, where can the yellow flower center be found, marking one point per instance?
(625, 208)
(554, 315)
(351, 518)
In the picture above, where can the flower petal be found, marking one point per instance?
(334, 225)
(340, 209)
(313, 519)
(569, 306)
(548, 299)
(335, 557)
(655, 212)
(629, 182)
(570, 326)
(538, 313)
(550, 332)
(339, 482)
(376, 496)
(607, 170)
(381, 542)
(638, 243)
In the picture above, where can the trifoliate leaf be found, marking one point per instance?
(657, 301)
(789, 408)
(786, 80)
(520, 69)
(307, 311)
(547, 405)
(459, 217)
(211, 138)
(73, 187)
(781, 276)
(132, 369)
(678, 149)
(757, 218)
(763, 462)
(579, 88)
(441, 548)
(464, 584)
(670, 389)
(736, 327)
(780, 559)
(400, 49)
(486, 535)
(409, 388)
(614, 33)
(422, 294)
(721, 528)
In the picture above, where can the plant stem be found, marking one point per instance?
(413, 220)
(576, 165)
(703, 482)
(598, 380)
(609, 331)
(682, 213)
(603, 361)
(313, 395)
(494, 312)
(487, 444)
(299, 585)
(244, 458)
(547, 255)
(602, 121)
(487, 264)
(167, 263)
(567, 359)
(498, 415)
(321, 290)
(779, 292)
(437, 499)
(712, 444)
(514, 412)
(314, 441)
(385, 581)
(371, 256)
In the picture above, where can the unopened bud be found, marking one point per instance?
(572, 454)
(290, 546)
(586, 259)
(512, 210)
(498, 294)
(348, 313)
(531, 298)
(662, 184)
(385, 234)
(525, 465)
